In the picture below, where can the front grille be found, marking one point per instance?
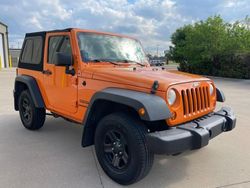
(195, 100)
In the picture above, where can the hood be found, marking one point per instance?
(144, 77)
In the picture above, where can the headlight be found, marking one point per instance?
(211, 89)
(171, 96)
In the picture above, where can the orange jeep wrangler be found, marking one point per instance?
(129, 110)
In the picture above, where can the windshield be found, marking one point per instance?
(100, 47)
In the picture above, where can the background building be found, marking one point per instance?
(14, 54)
(4, 52)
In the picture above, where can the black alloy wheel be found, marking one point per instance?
(25, 110)
(121, 148)
(116, 149)
(32, 118)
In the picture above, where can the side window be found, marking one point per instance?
(27, 51)
(32, 51)
(58, 44)
(37, 51)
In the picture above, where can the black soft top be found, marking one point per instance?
(43, 33)
(38, 65)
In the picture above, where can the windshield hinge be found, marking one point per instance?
(155, 86)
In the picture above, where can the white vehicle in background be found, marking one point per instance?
(156, 63)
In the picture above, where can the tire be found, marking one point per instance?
(32, 118)
(131, 161)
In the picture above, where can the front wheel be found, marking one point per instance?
(121, 149)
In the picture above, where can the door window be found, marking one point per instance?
(58, 44)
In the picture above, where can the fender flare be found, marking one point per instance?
(33, 88)
(155, 107)
(220, 97)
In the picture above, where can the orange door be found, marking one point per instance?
(60, 88)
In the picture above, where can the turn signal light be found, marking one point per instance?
(173, 115)
(141, 111)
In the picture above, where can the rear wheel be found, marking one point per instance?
(121, 149)
(32, 118)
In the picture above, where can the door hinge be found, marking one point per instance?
(76, 81)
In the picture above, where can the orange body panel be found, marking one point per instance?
(65, 95)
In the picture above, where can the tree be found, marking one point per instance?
(212, 47)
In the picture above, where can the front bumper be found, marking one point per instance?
(191, 135)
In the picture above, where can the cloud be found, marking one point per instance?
(151, 21)
(34, 22)
(233, 10)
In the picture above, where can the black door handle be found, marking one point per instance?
(47, 72)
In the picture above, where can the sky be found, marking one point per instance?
(150, 21)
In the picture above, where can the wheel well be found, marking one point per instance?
(102, 108)
(19, 87)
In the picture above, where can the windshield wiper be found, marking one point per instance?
(130, 61)
(104, 60)
(115, 63)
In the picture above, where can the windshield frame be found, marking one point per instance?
(145, 62)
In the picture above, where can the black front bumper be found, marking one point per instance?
(191, 135)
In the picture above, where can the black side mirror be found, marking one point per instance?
(63, 59)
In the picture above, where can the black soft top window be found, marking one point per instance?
(32, 51)
(27, 51)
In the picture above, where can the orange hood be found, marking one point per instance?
(144, 77)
